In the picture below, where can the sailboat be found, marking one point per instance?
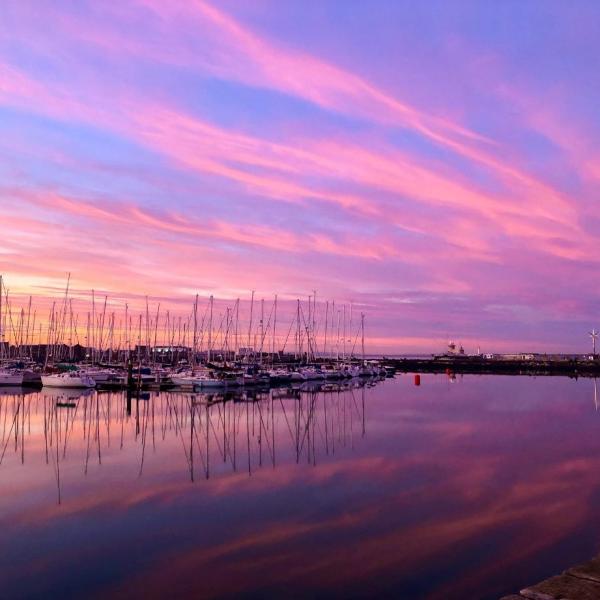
(11, 377)
(101, 375)
(70, 379)
(205, 378)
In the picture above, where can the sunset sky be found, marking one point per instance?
(435, 163)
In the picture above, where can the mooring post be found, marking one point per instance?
(129, 375)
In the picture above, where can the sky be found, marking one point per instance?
(435, 164)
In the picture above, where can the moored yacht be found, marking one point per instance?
(312, 374)
(332, 372)
(70, 379)
(298, 376)
(207, 379)
(11, 377)
(100, 375)
(279, 376)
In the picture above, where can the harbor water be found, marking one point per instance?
(460, 487)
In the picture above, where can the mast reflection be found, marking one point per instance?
(217, 432)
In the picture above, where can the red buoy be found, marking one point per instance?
(417, 380)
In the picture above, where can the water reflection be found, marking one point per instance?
(464, 488)
(217, 432)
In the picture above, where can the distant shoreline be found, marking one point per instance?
(573, 366)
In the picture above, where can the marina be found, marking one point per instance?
(199, 350)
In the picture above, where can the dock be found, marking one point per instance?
(578, 583)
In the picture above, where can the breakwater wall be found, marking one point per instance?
(572, 367)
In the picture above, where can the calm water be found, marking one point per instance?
(465, 489)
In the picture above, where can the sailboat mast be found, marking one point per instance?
(127, 345)
(326, 325)
(101, 335)
(250, 324)
(155, 334)
(350, 326)
(227, 326)
(237, 329)
(210, 326)
(195, 340)
(93, 328)
(111, 338)
(344, 332)
(49, 337)
(332, 325)
(87, 335)
(307, 327)
(337, 346)
(70, 330)
(147, 344)
(274, 327)
(19, 336)
(33, 335)
(298, 328)
(362, 327)
(27, 327)
(262, 327)
(314, 323)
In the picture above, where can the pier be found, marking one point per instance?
(578, 583)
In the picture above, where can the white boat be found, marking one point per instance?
(71, 379)
(185, 378)
(297, 376)
(371, 369)
(207, 381)
(250, 379)
(356, 371)
(332, 372)
(11, 377)
(279, 376)
(312, 374)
